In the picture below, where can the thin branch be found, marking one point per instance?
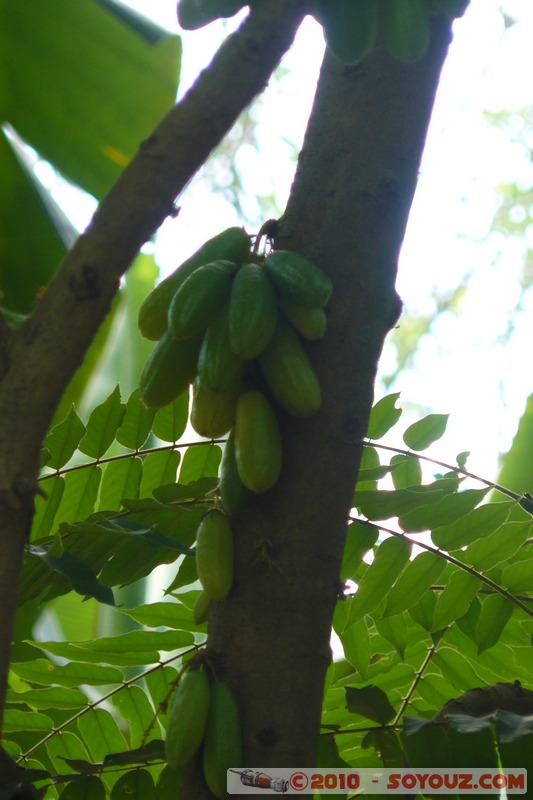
(447, 557)
(453, 468)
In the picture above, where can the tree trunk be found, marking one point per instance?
(347, 212)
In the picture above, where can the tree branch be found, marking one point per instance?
(348, 211)
(42, 356)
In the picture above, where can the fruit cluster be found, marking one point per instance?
(204, 713)
(351, 27)
(230, 322)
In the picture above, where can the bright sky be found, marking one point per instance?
(465, 367)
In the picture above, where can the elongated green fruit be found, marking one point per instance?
(289, 373)
(222, 742)
(219, 368)
(232, 244)
(213, 413)
(311, 323)
(194, 14)
(257, 442)
(233, 493)
(187, 719)
(214, 554)
(298, 279)
(198, 299)
(200, 611)
(350, 27)
(170, 367)
(405, 28)
(253, 311)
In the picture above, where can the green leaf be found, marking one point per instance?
(200, 461)
(421, 434)
(396, 631)
(73, 652)
(370, 702)
(137, 423)
(102, 426)
(110, 121)
(416, 579)
(389, 561)
(457, 669)
(57, 697)
(168, 785)
(199, 489)
(27, 263)
(80, 575)
(46, 508)
(63, 439)
(158, 469)
(136, 709)
(517, 469)
(407, 471)
(480, 522)
(85, 787)
(156, 615)
(171, 420)
(382, 505)
(384, 416)
(360, 538)
(101, 734)
(136, 784)
(15, 720)
(496, 611)
(455, 599)
(43, 671)
(79, 496)
(66, 748)
(121, 479)
(498, 546)
(518, 577)
(354, 638)
(447, 510)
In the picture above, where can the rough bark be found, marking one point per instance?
(38, 360)
(348, 211)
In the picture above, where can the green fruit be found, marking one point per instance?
(253, 311)
(214, 554)
(200, 611)
(187, 718)
(170, 367)
(198, 299)
(232, 244)
(289, 373)
(298, 279)
(213, 413)
(233, 493)
(311, 323)
(219, 367)
(405, 28)
(350, 27)
(193, 14)
(257, 442)
(222, 742)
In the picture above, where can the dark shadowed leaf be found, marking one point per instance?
(496, 611)
(85, 787)
(370, 702)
